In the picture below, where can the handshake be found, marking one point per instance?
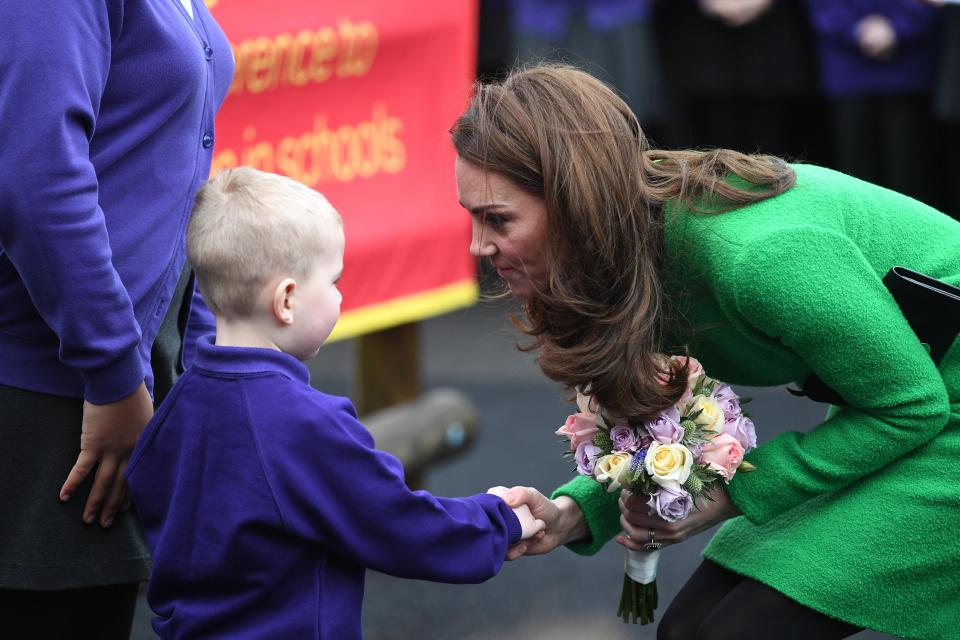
(529, 525)
(545, 524)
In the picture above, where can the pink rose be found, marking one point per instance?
(580, 428)
(723, 454)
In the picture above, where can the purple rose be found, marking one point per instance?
(586, 456)
(728, 401)
(743, 430)
(623, 437)
(665, 428)
(670, 504)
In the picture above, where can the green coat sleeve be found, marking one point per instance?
(812, 289)
(600, 509)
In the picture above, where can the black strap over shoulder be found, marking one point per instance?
(930, 306)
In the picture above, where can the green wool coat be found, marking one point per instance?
(859, 517)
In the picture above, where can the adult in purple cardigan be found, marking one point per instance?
(878, 61)
(108, 110)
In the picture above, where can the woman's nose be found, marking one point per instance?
(480, 244)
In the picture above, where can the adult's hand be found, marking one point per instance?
(876, 37)
(106, 439)
(735, 13)
(637, 522)
(563, 519)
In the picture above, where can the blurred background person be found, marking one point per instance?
(613, 39)
(947, 107)
(740, 74)
(878, 60)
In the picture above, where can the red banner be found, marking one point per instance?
(354, 98)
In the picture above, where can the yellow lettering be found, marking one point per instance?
(264, 64)
(346, 153)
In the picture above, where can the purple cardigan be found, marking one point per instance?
(846, 72)
(107, 108)
(263, 502)
(550, 19)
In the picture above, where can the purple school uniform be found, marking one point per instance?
(105, 141)
(845, 72)
(264, 501)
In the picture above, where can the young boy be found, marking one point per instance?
(264, 500)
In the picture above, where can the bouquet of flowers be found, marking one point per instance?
(674, 459)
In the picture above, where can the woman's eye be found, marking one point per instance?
(495, 222)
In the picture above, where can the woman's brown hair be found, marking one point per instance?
(564, 136)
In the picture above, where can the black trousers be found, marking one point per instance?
(97, 613)
(717, 604)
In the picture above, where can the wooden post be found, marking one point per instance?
(388, 367)
(388, 373)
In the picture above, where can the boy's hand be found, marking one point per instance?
(107, 437)
(529, 526)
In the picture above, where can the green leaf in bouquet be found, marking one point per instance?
(705, 473)
(694, 434)
(603, 441)
(642, 484)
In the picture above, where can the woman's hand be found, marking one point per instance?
(562, 517)
(106, 439)
(637, 522)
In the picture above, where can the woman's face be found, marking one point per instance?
(509, 226)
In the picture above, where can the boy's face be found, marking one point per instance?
(319, 307)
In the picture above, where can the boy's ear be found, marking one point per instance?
(283, 300)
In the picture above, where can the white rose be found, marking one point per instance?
(612, 467)
(668, 464)
(711, 415)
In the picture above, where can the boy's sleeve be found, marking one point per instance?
(814, 291)
(54, 63)
(332, 486)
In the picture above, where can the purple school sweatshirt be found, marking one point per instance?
(107, 110)
(846, 72)
(263, 502)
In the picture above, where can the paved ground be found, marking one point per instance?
(558, 597)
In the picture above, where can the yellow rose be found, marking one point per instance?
(711, 413)
(668, 464)
(612, 467)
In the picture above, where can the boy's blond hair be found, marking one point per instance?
(249, 226)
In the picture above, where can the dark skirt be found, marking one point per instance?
(44, 544)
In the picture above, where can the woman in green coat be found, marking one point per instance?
(767, 273)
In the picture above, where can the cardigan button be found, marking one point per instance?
(208, 52)
(207, 141)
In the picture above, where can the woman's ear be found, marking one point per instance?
(283, 301)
